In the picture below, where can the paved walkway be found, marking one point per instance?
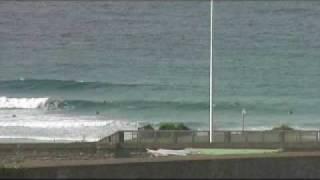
(75, 162)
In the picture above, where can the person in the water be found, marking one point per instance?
(290, 112)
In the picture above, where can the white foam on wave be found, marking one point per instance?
(56, 124)
(22, 103)
(31, 125)
(50, 139)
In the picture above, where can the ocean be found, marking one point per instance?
(81, 70)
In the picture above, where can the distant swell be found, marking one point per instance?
(34, 84)
(135, 105)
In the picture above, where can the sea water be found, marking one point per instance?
(80, 70)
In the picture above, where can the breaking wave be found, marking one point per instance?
(49, 104)
(23, 103)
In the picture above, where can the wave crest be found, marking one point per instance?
(23, 103)
(54, 104)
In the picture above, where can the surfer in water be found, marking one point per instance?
(290, 112)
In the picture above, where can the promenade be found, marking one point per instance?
(123, 155)
(279, 165)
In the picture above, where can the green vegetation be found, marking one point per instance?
(146, 127)
(166, 126)
(283, 127)
(173, 126)
(222, 151)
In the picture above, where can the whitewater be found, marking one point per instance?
(22, 103)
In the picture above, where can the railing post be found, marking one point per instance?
(192, 137)
(155, 137)
(227, 137)
(300, 136)
(282, 137)
(175, 139)
(262, 134)
(120, 137)
(246, 137)
(317, 136)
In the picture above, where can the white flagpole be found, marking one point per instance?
(211, 68)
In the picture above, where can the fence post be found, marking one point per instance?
(282, 137)
(120, 137)
(155, 137)
(300, 136)
(262, 136)
(227, 137)
(192, 136)
(138, 137)
(317, 136)
(175, 138)
(246, 137)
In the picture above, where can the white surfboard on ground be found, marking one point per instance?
(209, 151)
(167, 152)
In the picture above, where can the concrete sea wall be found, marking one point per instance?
(229, 167)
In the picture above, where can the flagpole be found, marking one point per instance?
(211, 68)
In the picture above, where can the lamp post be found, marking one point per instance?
(244, 112)
(211, 79)
(214, 125)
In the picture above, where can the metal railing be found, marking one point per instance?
(202, 137)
